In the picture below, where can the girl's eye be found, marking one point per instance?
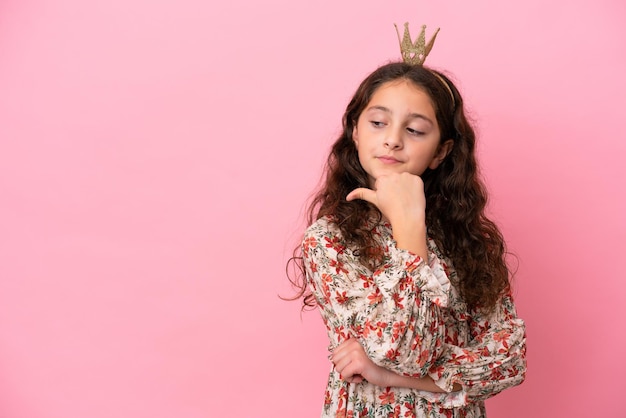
(414, 131)
(377, 124)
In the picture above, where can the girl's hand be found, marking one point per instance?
(399, 196)
(353, 364)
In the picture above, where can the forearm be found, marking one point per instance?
(394, 310)
(494, 360)
(423, 383)
(411, 236)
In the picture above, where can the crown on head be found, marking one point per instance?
(415, 53)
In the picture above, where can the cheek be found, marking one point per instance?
(422, 155)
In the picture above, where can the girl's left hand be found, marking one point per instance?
(353, 364)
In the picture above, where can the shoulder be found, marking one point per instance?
(324, 237)
(322, 228)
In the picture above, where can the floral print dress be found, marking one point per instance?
(409, 317)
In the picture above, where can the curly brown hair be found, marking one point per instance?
(455, 195)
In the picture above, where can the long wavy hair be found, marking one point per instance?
(455, 195)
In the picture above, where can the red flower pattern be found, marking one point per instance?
(409, 324)
(398, 300)
(341, 298)
(375, 297)
(387, 397)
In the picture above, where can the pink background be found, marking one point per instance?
(155, 157)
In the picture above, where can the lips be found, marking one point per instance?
(386, 159)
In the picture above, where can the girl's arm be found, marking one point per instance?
(352, 363)
(494, 360)
(394, 311)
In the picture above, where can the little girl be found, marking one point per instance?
(407, 271)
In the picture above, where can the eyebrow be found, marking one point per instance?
(411, 115)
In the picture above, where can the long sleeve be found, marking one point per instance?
(493, 360)
(394, 311)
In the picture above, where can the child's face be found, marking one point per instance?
(398, 132)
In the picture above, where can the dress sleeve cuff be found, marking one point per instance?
(448, 399)
(445, 379)
(431, 278)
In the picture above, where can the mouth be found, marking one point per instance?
(386, 159)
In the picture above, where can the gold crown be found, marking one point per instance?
(415, 53)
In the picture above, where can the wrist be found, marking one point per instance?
(411, 236)
(388, 378)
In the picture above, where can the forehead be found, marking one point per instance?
(403, 95)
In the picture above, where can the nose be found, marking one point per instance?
(394, 139)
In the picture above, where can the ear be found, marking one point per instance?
(442, 153)
(355, 136)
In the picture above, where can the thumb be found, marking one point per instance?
(363, 194)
